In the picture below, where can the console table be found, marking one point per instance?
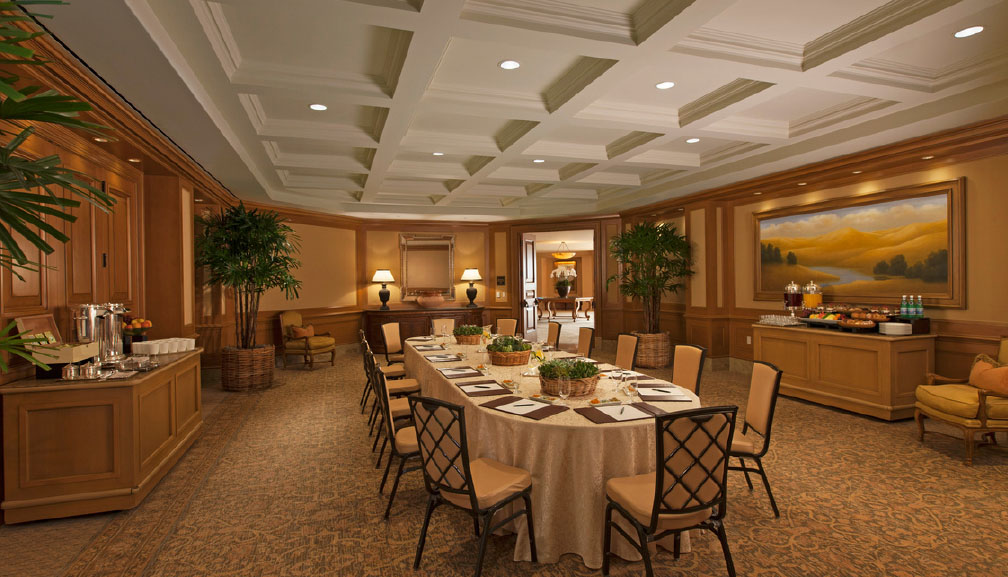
(414, 322)
(581, 305)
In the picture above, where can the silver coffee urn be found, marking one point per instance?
(102, 323)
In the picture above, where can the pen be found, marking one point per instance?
(621, 410)
(525, 405)
(662, 391)
(482, 386)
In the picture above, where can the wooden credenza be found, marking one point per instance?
(414, 322)
(73, 448)
(871, 374)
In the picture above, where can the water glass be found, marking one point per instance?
(564, 386)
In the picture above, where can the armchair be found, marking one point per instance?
(962, 404)
(306, 346)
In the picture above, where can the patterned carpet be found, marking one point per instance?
(282, 483)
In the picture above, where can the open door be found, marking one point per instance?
(528, 276)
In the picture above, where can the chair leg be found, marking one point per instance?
(431, 503)
(381, 453)
(531, 530)
(766, 483)
(283, 359)
(476, 530)
(332, 358)
(723, 537)
(677, 546)
(388, 467)
(645, 552)
(919, 417)
(395, 486)
(607, 539)
(968, 437)
(746, 473)
(482, 546)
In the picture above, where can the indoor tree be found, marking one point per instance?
(654, 259)
(35, 193)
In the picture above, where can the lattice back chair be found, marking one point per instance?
(553, 335)
(481, 487)
(443, 326)
(690, 484)
(763, 390)
(586, 342)
(687, 366)
(392, 342)
(403, 444)
(507, 326)
(626, 351)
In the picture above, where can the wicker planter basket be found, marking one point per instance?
(653, 350)
(247, 369)
(468, 339)
(579, 387)
(510, 359)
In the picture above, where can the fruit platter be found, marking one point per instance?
(823, 319)
(135, 327)
(597, 402)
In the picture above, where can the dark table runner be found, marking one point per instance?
(596, 416)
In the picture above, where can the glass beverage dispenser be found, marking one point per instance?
(812, 296)
(792, 297)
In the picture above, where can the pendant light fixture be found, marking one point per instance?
(563, 252)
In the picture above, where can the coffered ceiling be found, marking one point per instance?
(765, 85)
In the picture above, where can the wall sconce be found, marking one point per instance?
(471, 274)
(383, 275)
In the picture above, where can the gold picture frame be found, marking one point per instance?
(870, 248)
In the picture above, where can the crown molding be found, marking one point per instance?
(761, 129)
(490, 100)
(613, 178)
(582, 73)
(431, 170)
(512, 132)
(449, 143)
(657, 158)
(568, 150)
(735, 91)
(554, 16)
(282, 159)
(835, 114)
(626, 144)
(712, 43)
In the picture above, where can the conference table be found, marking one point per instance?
(569, 456)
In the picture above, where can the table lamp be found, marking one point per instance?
(383, 275)
(471, 274)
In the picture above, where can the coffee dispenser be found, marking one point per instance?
(102, 324)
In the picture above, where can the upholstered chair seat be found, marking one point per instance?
(306, 346)
(311, 343)
(636, 495)
(743, 444)
(403, 387)
(960, 403)
(493, 482)
(395, 357)
(405, 438)
(396, 371)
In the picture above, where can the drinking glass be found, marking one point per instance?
(564, 385)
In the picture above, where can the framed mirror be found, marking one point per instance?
(428, 265)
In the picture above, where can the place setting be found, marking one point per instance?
(484, 388)
(460, 372)
(523, 407)
(423, 348)
(445, 358)
(664, 392)
(618, 413)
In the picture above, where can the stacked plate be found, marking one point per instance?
(164, 346)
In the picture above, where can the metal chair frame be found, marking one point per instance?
(390, 431)
(458, 461)
(647, 534)
(758, 457)
(703, 356)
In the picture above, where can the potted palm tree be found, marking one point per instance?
(32, 197)
(248, 252)
(654, 259)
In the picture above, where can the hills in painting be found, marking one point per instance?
(890, 248)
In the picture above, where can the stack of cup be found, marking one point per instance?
(164, 346)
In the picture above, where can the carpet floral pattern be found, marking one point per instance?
(283, 482)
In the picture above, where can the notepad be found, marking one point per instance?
(521, 407)
(623, 412)
(482, 388)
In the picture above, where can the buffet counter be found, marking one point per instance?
(79, 447)
(866, 373)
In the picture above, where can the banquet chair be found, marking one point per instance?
(553, 335)
(586, 342)
(303, 341)
(480, 487)
(763, 390)
(395, 390)
(688, 490)
(443, 326)
(507, 326)
(402, 443)
(626, 351)
(392, 342)
(687, 366)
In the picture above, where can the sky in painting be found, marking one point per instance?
(881, 216)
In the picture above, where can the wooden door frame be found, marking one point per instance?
(516, 234)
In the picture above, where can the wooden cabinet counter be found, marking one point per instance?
(72, 448)
(414, 322)
(866, 373)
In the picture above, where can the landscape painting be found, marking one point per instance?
(876, 248)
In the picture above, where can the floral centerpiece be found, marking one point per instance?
(468, 334)
(583, 376)
(509, 351)
(563, 284)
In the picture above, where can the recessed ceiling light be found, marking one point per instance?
(928, 157)
(100, 139)
(539, 160)
(438, 153)
(692, 140)
(133, 159)
(757, 193)
(856, 172)
(509, 64)
(319, 107)
(967, 32)
(802, 183)
(664, 85)
(197, 200)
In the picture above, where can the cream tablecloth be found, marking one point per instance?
(570, 457)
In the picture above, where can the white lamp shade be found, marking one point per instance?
(383, 275)
(471, 274)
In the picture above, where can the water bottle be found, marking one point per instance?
(920, 307)
(903, 307)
